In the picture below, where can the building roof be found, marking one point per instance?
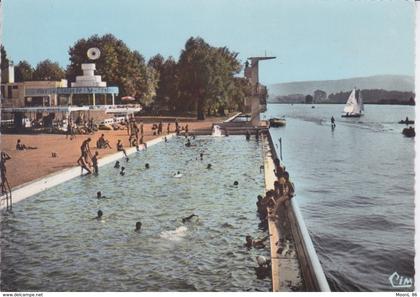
(129, 108)
(45, 109)
(68, 91)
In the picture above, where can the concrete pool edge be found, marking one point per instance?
(31, 188)
(311, 269)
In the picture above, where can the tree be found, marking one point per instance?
(168, 90)
(156, 62)
(167, 82)
(411, 101)
(309, 99)
(4, 60)
(4, 63)
(47, 70)
(319, 95)
(206, 74)
(23, 71)
(117, 65)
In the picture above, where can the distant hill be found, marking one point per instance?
(280, 91)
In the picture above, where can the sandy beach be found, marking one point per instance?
(29, 165)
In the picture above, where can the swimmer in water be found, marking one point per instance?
(264, 267)
(117, 164)
(208, 166)
(99, 217)
(166, 139)
(99, 195)
(201, 156)
(187, 219)
(122, 173)
(138, 227)
(235, 183)
(188, 144)
(147, 166)
(255, 243)
(178, 174)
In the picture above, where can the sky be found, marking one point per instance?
(312, 39)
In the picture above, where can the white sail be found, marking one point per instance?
(351, 104)
(354, 104)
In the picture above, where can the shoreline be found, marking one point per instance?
(43, 183)
(31, 165)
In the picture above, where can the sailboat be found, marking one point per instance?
(354, 107)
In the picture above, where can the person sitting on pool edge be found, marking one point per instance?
(120, 148)
(138, 227)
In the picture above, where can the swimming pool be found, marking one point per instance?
(51, 243)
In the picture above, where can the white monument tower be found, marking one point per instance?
(89, 79)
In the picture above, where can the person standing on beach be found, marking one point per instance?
(176, 127)
(141, 129)
(85, 150)
(168, 128)
(127, 123)
(70, 129)
(160, 128)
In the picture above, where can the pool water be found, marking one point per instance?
(51, 243)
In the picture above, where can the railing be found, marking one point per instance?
(312, 271)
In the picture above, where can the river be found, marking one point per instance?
(355, 187)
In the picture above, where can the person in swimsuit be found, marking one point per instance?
(187, 219)
(120, 148)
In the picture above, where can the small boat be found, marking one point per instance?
(406, 122)
(354, 105)
(276, 122)
(409, 132)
